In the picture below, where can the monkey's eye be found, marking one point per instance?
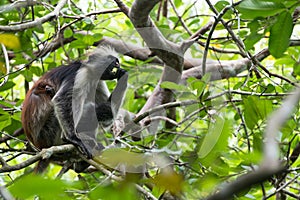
(117, 64)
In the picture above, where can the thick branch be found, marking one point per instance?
(171, 54)
(167, 51)
(125, 48)
(223, 69)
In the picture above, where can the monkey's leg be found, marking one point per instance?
(63, 109)
(41, 166)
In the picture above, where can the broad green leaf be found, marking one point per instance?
(5, 120)
(270, 88)
(178, 3)
(252, 39)
(285, 60)
(296, 69)
(257, 142)
(97, 37)
(78, 44)
(280, 34)
(257, 8)
(220, 5)
(36, 70)
(7, 85)
(78, 36)
(169, 180)
(68, 33)
(6, 104)
(88, 20)
(30, 186)
(124, 191)
(199, 85)
(256, 109)
(173, 86)
(28, 75)
(215, 141)
(88, 40)
(117, 157)
(10, 40)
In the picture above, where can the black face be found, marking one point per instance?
(49, 91)
(44, 88)
(113, 71)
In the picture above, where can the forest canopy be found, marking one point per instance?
(211, 110)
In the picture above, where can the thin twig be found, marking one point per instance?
(108, 173)
(6, 64)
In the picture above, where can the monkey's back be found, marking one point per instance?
(38, 116)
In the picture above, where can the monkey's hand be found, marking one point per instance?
(120, 73)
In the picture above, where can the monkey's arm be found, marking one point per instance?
(117, 96)
(107, 110)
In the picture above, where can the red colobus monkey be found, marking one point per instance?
(68, 103)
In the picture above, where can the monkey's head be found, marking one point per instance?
(113, 70)
(44, 88)
(105, 59)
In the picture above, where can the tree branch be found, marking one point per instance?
(270, 164)
(243, 183)
(45, 153)
(18, 4)
(48, 17)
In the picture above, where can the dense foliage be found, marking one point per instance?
(214, 136)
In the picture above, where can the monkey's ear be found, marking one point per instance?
(92, 58)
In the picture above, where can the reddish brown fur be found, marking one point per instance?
(35, 97)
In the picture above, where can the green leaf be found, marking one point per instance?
(215, 140)
(199, 85)
(97, 37)
(31, 186)
(10, 40)
(252, 39)
(280, 34)
(68, 33)
(88, 20)
(257, 8)
(270, 88)
(5, 120)
(173, 86)
(220, 5)
(296, 69)
(78, 44)
(170, 181)
(7, 85)
(256, 109)
(125, 191)
(88, 40)
(6, 104)
(113, 157)
(178, 3)
(36, 70)
(27, 75)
